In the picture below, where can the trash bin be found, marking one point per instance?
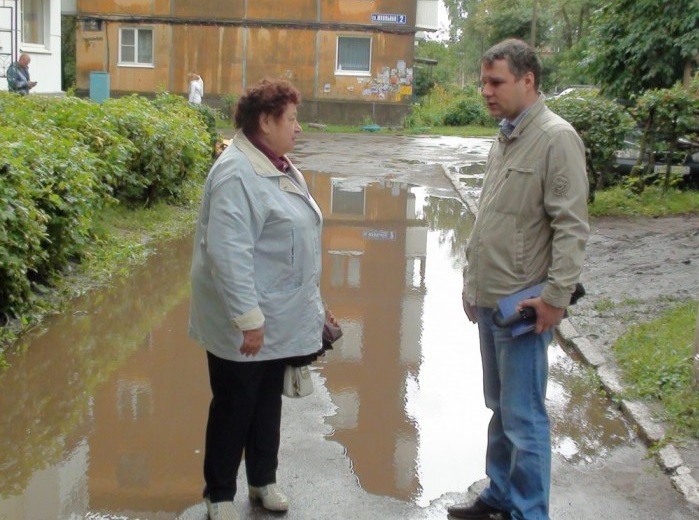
(99, 86)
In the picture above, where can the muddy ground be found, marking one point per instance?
(642, 266)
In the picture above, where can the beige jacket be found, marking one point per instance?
(532, 219)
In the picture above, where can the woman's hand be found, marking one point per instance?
(330, 316)
(252, 341)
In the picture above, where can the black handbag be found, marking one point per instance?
(331, 333)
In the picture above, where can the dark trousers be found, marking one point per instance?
(244, 417)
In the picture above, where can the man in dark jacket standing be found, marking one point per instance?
(18, 76)
(531, 228)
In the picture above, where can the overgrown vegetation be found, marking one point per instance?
(652, 202)
(602, 125)
(656, 358)
(449, 107)
(64, 161)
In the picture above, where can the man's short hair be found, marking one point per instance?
(521, 58)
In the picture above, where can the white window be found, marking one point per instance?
(353, 56)
(34, 22)
(136, 47)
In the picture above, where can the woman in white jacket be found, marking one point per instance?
(255, 293)
(196, 88)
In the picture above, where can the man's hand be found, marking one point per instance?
(547, 316)
(32, 84)
(252, 341)
(469, 309)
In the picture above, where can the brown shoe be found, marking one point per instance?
(478, 510)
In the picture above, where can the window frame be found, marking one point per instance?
(43, 30)
(136, 63)
(342, 72)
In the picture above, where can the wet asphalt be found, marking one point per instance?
(315, 471)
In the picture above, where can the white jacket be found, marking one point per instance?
(257, 259)
(196, 91)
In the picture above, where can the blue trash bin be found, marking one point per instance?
(99, 86)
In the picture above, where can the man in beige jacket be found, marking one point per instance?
(531, 228)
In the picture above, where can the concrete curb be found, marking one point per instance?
(669, 458)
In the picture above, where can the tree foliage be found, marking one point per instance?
(601, 124)
(638, 45)
(561, 28)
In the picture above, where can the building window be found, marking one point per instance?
(136, 47)
(34, 20)
(353, 55)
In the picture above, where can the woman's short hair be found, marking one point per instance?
(267, 97)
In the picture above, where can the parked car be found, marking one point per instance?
(685, 161)
(575, 89)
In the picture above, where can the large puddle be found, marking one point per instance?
(104, 408)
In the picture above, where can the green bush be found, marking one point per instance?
(49, 197)
(63, 159)
(450, 107)
(602, 125)
(230, 101)
(172, 144)
(467, 112)
(114, 151)
(22, 229)
(208, 115)
(665, 115)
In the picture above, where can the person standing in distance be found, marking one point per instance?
(532, 227)
(196, 88)
(18, 76)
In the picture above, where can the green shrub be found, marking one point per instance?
(173, 146)
(230, 101)
(208, 115)
(63, 159)
(665, 115)
(49, 196)
(602, 125)
(450, 107)
(22, 229)
(467, 111)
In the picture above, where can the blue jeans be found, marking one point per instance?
(518, 457)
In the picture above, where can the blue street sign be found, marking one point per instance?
(389, 18)
(379, 234)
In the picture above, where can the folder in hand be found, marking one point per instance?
(524, 320)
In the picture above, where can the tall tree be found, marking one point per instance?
(642, 44)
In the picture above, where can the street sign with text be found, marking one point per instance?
(389, 18)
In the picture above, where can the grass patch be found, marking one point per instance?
(620, 202)
(656, 360)
(604, 305)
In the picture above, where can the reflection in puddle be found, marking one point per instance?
(408, 434)
(88, 397)
(407, 379)
(585, 427)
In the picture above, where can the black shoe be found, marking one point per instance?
(478, 510)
